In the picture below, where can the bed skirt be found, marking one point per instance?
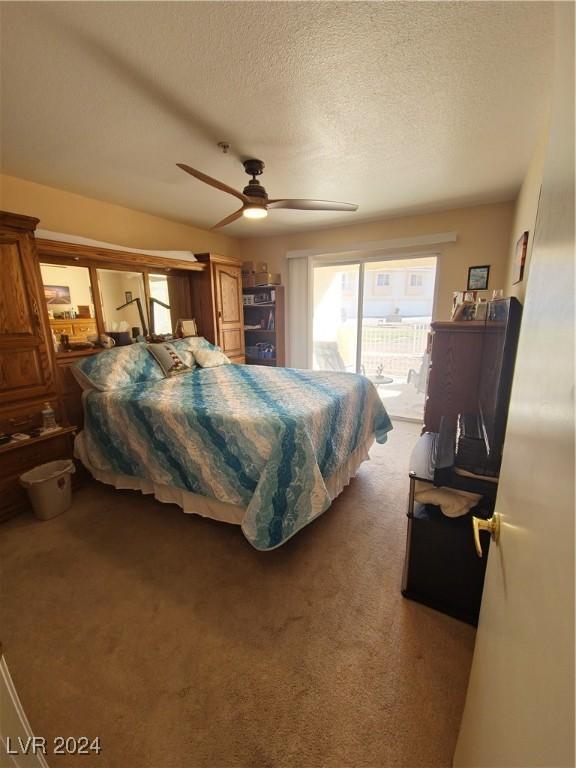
(206, 506)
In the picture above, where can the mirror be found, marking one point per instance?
(160, 316)
(123, 304)
(69, 301)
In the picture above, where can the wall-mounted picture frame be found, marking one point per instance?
(57, 294)
(478, 278)
(520, 257)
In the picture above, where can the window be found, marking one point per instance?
(348, 281)
(382, 279)
(416, 280)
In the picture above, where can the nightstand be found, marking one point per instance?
(441, 567)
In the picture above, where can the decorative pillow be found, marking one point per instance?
(186, 348)
(210, 358)
(453, 503)
(117, 368)
(168, 359)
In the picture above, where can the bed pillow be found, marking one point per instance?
(117, 368)
(186, 348)
(210, 358)
(168, 359)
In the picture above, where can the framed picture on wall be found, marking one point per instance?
(478, 278)
(57, 294)
(520, 258)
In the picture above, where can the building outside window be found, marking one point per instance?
(416, 280)
(348, 281)
(383, 279)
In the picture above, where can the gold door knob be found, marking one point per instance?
(492, 525)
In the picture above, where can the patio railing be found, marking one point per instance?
(393, 348)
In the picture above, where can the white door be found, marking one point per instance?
(520, 704)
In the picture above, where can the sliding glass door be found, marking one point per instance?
(373, 317)
(335, 318)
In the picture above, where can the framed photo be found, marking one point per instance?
(128, 296)
(520, 258)
(478, 278)
(57, 294)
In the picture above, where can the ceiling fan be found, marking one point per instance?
(255, 200)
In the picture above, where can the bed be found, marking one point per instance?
(266, 448)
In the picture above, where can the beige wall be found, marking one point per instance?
(525, 217)
(483, 238)
(484, 231)
(73, 214)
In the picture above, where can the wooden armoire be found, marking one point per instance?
(27, 370)
(217, 302)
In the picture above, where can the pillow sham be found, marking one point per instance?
(210, 358)
(186, 348)
(168, 359)
(117, 368)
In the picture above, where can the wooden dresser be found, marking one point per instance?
(27, 364)
(76, 330)
(454, 372)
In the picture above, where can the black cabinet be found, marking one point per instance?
(442, 569)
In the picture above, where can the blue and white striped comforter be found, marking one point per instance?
(263, 438)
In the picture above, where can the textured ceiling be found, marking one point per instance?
(395, 106)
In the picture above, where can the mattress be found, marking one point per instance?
(266, 448)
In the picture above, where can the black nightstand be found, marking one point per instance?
(441, 567)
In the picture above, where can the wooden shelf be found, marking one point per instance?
(259, 288)
(34, 440)
(272, 336)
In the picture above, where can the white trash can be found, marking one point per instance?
(49, 488)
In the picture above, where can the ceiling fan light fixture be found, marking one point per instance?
(255, 212)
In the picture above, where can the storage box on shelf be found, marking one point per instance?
(264, 325)
(255, 273)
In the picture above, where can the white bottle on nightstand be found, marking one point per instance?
(48, 418)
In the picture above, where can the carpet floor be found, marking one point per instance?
(180, 646)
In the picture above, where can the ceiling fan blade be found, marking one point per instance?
(229, 219)
(213, 182)
(312, 205)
